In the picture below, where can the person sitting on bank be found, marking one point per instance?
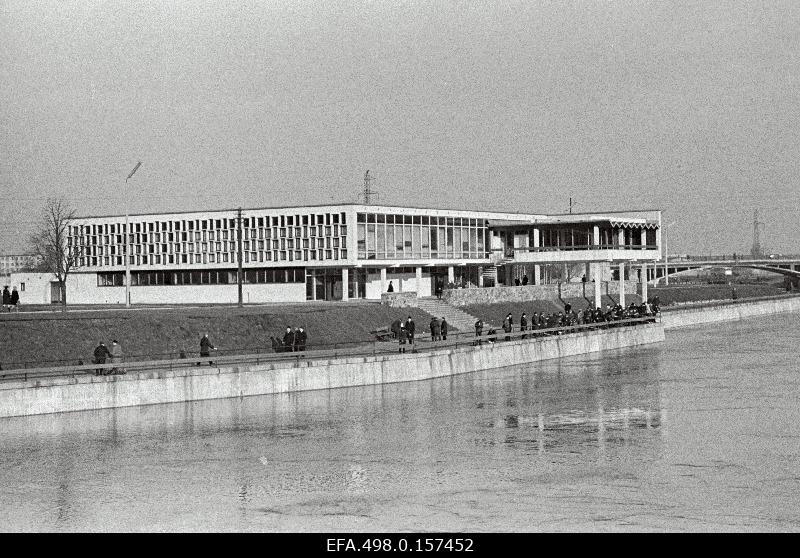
(205, 348)
(101, 353)
(443, 329)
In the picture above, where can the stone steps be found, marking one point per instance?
(459, 319)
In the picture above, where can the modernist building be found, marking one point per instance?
(340, 252)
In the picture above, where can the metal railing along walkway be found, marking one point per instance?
(305, 358)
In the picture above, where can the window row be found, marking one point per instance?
(420, 220)
(221, 257)
(208, 277)
(386, 241)
(314, 219)
(318, 232)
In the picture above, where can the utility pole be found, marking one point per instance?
(127, 241)
(758, 226)
(368, 192)
(239, 250)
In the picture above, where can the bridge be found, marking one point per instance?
(786, 266)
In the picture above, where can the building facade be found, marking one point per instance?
(340, 252)
(11, 263)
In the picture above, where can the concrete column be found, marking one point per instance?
(345, 284)
(313, 287)
(588, 271)
(644, 282)
(383, 280)
(536, 242)
(596, 235)
(480, 276)
(537, 275)
(644, 239)
(419, 281)
(598, 285)
(451, 276)
(622, 284)
(621, 237)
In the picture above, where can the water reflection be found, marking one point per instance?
(263, 462)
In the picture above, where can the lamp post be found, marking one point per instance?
(666, 255)
(128, 242)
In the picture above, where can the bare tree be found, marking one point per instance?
(51, 242)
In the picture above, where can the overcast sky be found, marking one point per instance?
(691, 107)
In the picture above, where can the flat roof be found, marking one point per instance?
(366, 208)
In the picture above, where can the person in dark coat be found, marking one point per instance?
(443, 329)
(395, 328)
(524, 280)
(507, 327)
(101, 353)
(391, 288)
(435, 329)
(205, 348)
(410, 328)
(6, 298)
(523, 324)
(402, 336)
(14, 298)
(116, 357)
(288, 340)
(300, 338)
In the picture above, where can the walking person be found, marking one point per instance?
(101, 353)
(523, 324)
(116, 357)
(297, 337)
(391, 288)
(205, 348)
(15, 299)
(443, 328)
(6, 299)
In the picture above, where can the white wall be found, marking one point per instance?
(82, 289)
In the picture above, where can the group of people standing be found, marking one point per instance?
(293, 340)
(569, 317)
(113, 355)
(10, 299)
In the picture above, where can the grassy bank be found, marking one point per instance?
(56, 338)
(701, 293)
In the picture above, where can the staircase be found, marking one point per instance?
(455, 317)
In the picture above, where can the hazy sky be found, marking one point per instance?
(691, 107)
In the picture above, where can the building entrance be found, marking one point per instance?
(324, 284)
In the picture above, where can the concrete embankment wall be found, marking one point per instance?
(687, 317)
(192, 384)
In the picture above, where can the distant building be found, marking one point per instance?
(12, 263)
(339, 252)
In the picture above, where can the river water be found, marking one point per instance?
(701, 433)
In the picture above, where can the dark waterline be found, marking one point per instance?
(700, 434)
